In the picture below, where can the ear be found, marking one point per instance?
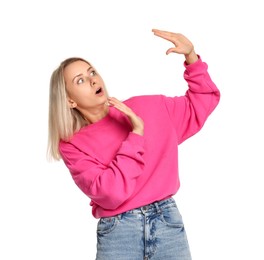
(72, 103)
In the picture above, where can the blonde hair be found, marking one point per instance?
(63, 121)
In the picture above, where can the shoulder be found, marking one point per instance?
(144, 100)
(74, 141)
(147, 105)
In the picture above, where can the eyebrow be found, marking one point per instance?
(80, 74)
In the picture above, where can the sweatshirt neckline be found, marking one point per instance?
(103, 121)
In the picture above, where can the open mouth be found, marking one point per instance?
(98, 91)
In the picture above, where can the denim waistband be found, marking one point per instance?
(156, 206)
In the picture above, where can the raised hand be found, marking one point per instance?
(182, 45)
(136, 121)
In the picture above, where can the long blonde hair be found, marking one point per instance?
(63, 121)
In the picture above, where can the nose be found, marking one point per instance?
(92, 81)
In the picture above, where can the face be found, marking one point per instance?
(85, 87)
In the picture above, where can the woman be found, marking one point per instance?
(124, 155)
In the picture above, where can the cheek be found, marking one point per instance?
(83, 98)
(80, 92)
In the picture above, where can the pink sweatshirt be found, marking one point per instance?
(119, 170)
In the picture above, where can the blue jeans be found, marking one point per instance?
(154, 232)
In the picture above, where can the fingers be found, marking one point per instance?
(116, 103)
(182, 45)
(119, 105)
(165, 35)
(136, 122)
(170, 50)
(156, 31)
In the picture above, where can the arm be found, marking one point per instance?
(189, 112)
(108, 185)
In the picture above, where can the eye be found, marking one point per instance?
(93, 73)
(80, 81)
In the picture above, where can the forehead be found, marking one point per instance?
(75, 68)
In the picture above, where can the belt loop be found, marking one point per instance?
(143, 209)
(157, 207)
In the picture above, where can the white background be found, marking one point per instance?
(43, 214)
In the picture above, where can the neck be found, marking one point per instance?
(96, 114)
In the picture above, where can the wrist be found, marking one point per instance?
(191, 57)
(138, 131)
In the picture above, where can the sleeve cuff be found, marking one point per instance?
(135, 139)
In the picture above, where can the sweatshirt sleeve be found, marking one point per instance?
(107, 185)
(189, 112)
